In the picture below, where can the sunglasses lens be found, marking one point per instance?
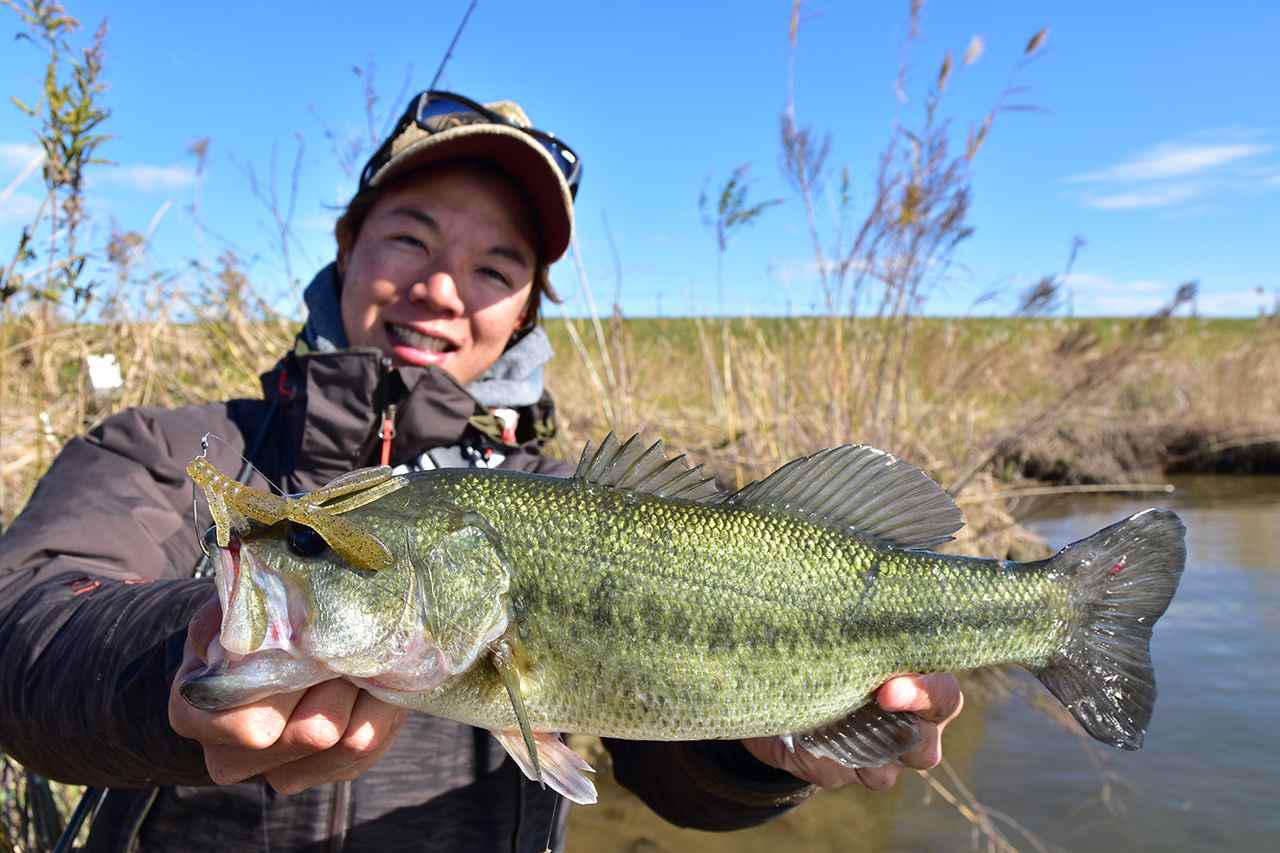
(436, 113)
(564, 158)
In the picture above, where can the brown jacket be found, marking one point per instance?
(96, 592)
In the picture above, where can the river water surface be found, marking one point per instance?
(1206, 779)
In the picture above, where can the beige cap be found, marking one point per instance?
(469, 135)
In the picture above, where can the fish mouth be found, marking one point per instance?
(227, 579)
(255, 602)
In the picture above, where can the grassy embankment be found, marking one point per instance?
(1075, 401)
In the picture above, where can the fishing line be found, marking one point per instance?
(248, 465)
(551, 826)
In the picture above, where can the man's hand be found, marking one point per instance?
(328, 732)
(935, 699)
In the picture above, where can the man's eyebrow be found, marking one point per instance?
(417, 215)
(509, 252)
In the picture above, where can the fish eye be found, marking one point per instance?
(305, 542)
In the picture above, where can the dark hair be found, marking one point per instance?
(348, 226)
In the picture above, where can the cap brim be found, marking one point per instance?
(516, 153)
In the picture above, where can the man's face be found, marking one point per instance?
(441, 271)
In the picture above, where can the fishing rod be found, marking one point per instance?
(456, 35)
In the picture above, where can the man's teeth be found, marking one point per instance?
(417, 340)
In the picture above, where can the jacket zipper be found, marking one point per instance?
(340, 803)
(387, 427)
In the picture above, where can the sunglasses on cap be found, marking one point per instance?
(436, 112)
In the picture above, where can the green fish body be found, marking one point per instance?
(636, 600)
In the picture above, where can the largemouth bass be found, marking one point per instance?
(637, 600)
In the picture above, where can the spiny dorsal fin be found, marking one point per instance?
(862, 489)
(646, 470)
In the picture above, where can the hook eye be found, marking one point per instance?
(305, 542)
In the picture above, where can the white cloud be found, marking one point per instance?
(1158, 197)
(19, 209)
(144, 177)
(1100, 295)
(1173, 160)
(17, 155)
(1093, 283)
(321, 223)
(1119, 305)
(1236, 302)
(141, 177)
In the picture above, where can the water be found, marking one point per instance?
(1206, 778)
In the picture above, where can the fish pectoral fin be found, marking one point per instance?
(562, 768)
(504, 661)
(868, 737)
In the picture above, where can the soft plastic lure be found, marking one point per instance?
(232, 504)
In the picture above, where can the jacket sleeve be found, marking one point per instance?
(709, 785)
(94, 603)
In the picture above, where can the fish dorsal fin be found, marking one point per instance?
(646, 470)
(862, 489)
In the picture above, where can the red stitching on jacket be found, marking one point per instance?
(83, 585)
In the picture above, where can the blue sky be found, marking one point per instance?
(1157, 141)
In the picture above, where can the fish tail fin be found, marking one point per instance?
(1124, 578)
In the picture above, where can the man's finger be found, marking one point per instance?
(372, 729)
(936, 697)
(315, 725)
(256, 726)
(928, 753)
(204, 626)
(878, 778)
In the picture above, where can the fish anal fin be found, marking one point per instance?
(562, 769)
(868, 737)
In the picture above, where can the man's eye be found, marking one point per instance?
(409, 240)
(490, 272)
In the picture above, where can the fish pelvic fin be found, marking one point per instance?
(868, 737)
(562, 769)
(1124, 578)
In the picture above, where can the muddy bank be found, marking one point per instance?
(1072, 457)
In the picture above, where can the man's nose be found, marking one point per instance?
(438, 290)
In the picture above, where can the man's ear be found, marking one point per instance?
(344, 239)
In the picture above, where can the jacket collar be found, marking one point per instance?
(332, 400)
